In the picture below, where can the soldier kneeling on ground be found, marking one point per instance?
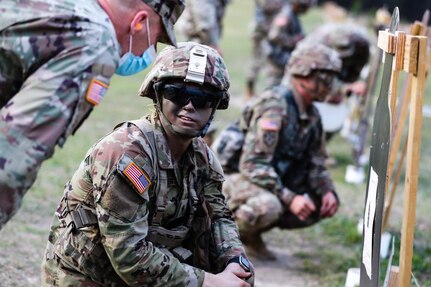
(276, 153)
(145, 207)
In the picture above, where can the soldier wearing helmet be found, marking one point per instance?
(145, 207)
(352, 43)
(282, 181)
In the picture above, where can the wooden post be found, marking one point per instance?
(396, 68)
(415, 62)
(417, 29)
(393, 277)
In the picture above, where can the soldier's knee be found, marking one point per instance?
(259, 212)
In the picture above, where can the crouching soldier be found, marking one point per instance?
(281, 179)
(145, 207)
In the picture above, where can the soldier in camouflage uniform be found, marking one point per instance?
(282, 181)
(352, 43)
(56, 61)
(202, 21)
(264, 13)
(145, 207)
(284, 34)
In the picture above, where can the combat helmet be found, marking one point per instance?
(352, 44)
(308, 57)
(175, 63)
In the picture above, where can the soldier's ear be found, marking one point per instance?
(138, 21)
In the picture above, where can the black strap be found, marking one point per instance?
(82, 218)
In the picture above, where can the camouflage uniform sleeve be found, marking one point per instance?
(122, 210)
(76, 72)
(319, 178)
(261, 141)
(226, 243)
(204, 15)
(279, 33)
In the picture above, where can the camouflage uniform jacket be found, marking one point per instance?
(121, 182)
(203, 21)
(283, 145)
(56, 61)
(285, 32)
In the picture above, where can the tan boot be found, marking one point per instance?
(255, 247)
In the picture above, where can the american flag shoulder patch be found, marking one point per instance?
(269, 125)
(137, 177)
(96, 91)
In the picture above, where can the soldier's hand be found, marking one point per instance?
(329, 205)
(232, 276)
(302, 206)
(358, 88)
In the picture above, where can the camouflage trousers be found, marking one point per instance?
(257, 60)
(20, 160)
(257, 210)
(55, 274)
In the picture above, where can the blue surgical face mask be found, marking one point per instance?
(131, 64)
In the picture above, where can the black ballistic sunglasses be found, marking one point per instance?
(180, 94)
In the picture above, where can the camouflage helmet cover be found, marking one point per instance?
(308, 57)
(169, 11)
(352, 44)
(347, 39)
(173, 63)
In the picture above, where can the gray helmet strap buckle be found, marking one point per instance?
(197, 64)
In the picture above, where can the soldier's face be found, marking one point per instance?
(319, 85)
(187, 107)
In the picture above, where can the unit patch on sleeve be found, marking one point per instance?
(137, 177)
(96, 91)
(267, 134)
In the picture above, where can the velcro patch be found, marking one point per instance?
(269, 138)
(96, 91)
(269, 125)
(137, 177)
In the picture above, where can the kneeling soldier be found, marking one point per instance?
(145, 207)
(282, 180)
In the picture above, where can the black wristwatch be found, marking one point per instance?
(242, 261)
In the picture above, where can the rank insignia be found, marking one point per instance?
(96, 91)
(139, 178)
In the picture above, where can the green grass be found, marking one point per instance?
(23, 239)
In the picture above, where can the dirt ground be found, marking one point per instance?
(284, 272)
